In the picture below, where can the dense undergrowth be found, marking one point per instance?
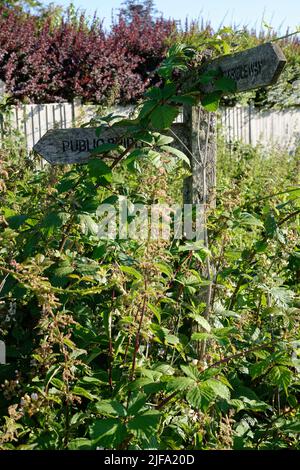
(56, 55)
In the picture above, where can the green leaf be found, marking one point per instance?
(97, 168)
(135, 154)
(16, 221)
(201, 396)
(194, 397)
(281, 377)
(191, 372)
(247, 404)
(108, 432)
(202, 322)
(270, 225)
(52, 221)
(165, 369)
(146, 137)
(156, 311)
(211, 101)
(67, 183)
(220, 389)
(193, 246)
(201, 336)
(178, 384)
(248, 219)
(132, 272)
(104, 148)
(154, 93)
(282, 296)
(141, 383)
(168, 90)
(185, 99)
(80, 444)
(91, 381)
(238, 404)
(177, 153)
(292, 428)
(59, 384)
(163, 116)
(171, 339)
(165, 269)
(208, 76)
(63, 271)
(137, 404)
(226, 49)
(260, 368)
(163, 140)
(158, 94)
(90, 205)
(147, 108)
(82, 392)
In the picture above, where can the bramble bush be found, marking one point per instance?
(103, 336)
(286, 92)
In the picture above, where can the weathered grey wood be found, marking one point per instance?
(2, 353)
(200, 187)
(63, 146)
(256, 67)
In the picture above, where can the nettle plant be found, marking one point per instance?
(102, 337)
(48, 60)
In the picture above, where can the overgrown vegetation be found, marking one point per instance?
(58, 60)
(104, 338)
(52, 55)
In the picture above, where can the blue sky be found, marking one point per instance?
(278, 13)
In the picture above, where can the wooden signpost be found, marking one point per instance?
(256, 67)
(63, 146)
(253, 68)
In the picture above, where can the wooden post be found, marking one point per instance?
(253, 68)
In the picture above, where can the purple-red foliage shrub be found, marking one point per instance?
(41, 63)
